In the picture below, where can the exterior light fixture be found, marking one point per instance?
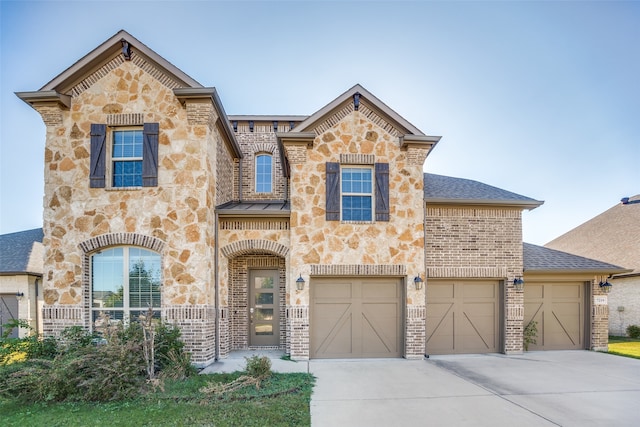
(19, 296)
(418, 282)
(518, 284)
(606, 286)
(300, 283)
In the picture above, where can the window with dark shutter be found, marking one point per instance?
(98, 156)
(333, 191)
(382, 191)
(150, 155)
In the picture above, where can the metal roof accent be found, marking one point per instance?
(271, 208)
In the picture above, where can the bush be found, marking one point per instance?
(633, 331)
(530, 334)
(258, 367)
(86, 367)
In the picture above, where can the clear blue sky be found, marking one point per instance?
(538, 98)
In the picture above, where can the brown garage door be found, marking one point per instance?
(462, 316)
(356, 317)
(559, 310)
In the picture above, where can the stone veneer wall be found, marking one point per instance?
(178, 212)
(480, 242)
(315, 241)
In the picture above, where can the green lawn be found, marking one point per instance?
(281, 400)
(622, 346)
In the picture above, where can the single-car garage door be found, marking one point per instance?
(558, 309)
(356, 317)
(462, 316)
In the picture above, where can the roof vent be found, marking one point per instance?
(625, 200)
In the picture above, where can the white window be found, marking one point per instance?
(357, 193)
(125, 283)
(126, 157)
(264, 175)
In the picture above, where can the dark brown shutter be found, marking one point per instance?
(98, 156)
(333, 192)
(150, 155)
(382, 191)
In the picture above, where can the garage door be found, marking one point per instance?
(559, 310)
(356, 317)
(8, 311)
(463, 317)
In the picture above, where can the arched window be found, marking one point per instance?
(125, 282)
(264, 173)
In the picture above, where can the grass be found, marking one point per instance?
(281, 400)
(622, 346)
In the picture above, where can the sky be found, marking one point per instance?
(541, 98)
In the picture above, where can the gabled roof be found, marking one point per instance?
(21, 252)
(381, 108)
(445, 189)
(540, 259)
(60, 89)
(613, 236)
(107, 50)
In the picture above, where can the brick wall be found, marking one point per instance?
(624, 304)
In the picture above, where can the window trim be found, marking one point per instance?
(126, 308)
(110, 170)
(271, 164)
(370, 194)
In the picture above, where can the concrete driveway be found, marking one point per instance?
(561, 388)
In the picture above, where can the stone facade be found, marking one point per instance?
(211, 227)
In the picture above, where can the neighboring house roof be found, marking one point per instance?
(446, 189)
(540, 259)
(21, 252)
(613, 236)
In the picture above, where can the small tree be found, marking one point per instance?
(530, 334)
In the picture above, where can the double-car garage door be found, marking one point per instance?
(356, 317)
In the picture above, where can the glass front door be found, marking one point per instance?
(264, 311)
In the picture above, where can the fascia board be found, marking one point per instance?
(32, 98)
(530, 205)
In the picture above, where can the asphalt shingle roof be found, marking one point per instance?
(539, 258)
(21, 252)
(612, 236)
(440, 188)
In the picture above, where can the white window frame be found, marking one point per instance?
(126, 308)
(372, 194)
(110, 166)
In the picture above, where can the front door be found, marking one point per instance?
(264, 313)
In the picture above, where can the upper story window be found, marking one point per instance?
(130, 153)
(357, 193)
(125, 283)
(357, 196)
(127, 158)
(264, 173)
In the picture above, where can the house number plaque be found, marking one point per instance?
(600, 300)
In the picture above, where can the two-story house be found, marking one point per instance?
(319, 235)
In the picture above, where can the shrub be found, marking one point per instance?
(633, 331)
(530, 334)
(32, 346)
(258, 366)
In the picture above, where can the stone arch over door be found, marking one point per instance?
(244, 247)
(90, 246)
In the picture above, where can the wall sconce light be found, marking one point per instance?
(418, 282)
(19, 296)
(518, 284)
(300, 283)
(606, 286)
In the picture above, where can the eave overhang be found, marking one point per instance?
(211, 94)
(594, 271)
(45, 97)
(522, 204)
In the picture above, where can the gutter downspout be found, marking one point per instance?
(216, 286)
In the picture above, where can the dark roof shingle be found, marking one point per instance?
(440, 188)
(539, 258)
(16, 251)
